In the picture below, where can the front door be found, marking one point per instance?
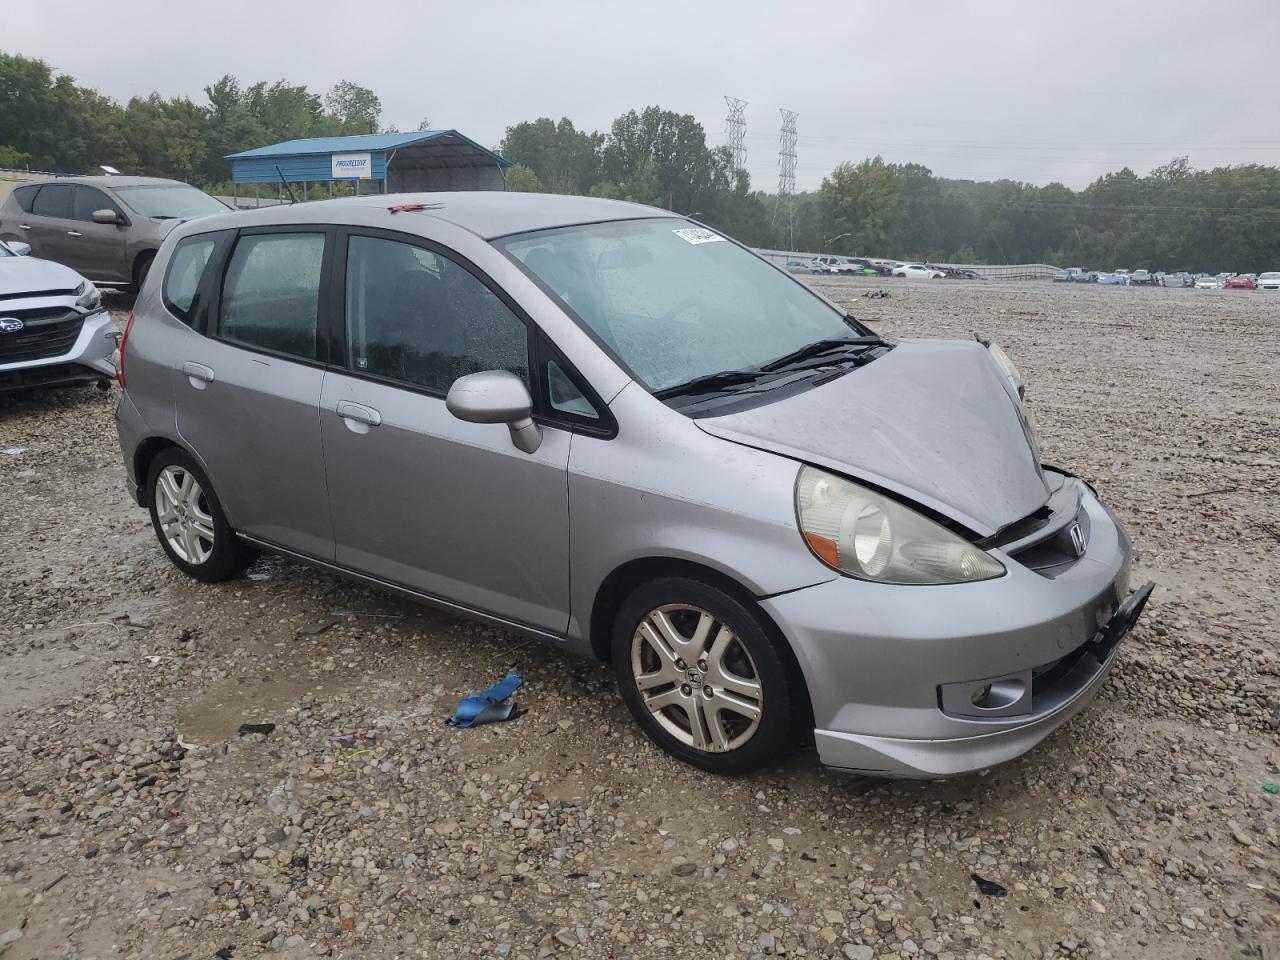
(420, 498)
(96, 249)
(249, 389)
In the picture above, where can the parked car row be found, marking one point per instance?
(1135, 278)
(861, 266)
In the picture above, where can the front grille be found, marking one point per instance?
(46, 332)
(1056, 554)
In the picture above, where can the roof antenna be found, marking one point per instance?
(292, 198)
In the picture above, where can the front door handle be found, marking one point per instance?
(24, 226)
(74, 233)
(357, 416)
(198, 375)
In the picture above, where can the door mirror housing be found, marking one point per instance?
(19, 248)
(496, 396)
(106, 216)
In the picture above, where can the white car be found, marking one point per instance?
(917, 270)
(1208, 283)
(1269, 281)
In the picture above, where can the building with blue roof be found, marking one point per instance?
(427, 160)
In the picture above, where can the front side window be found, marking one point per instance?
(186, 268)
(53, 200)
(271, 293)
(418, 317)
(170, 201)
(673, 301)
(89, 199)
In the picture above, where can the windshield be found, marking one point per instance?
(673, 301)
(5, 251)
(170, 201)
(1269, 276)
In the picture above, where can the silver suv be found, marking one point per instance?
(606, 426)
(106, 228)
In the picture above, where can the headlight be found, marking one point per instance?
(1006, 365)
(865, 535)
(87, 296)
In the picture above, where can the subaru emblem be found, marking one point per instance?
(1077, 539)
(10, 324)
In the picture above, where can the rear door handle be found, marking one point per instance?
(74, 233)
(357, 416)
(198, 375)
(24, 226)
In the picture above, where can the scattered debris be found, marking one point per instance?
(317, 629)
(490, 706)
(14, 451)
(1270, 788)
(989, 888)
(246, 729)
(1104, 856)
(1210, 493)
(877, 295)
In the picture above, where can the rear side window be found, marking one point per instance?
(186, 268)
(271, 293)
(53, 200)
(25, 195)
(418, 317)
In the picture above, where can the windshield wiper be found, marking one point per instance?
(709, 383)
(819, 348)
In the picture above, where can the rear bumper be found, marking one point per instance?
(90, 358)
(883, 663)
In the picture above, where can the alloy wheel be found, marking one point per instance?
(696, 677)
(186, 522)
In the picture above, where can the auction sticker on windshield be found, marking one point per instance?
(697, 235)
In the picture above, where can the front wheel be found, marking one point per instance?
(701, 676)
(189, 521)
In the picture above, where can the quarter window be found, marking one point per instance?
(565, 395)
(186, 267)
(418, 317)
(25, 196)
(271, 294)
(53, 200)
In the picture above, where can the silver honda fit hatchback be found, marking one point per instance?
(602, 424)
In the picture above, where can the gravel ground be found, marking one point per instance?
(135, 820)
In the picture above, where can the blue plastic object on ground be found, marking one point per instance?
(488, 707)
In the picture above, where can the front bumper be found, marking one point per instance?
(878, 659)
(89, 358)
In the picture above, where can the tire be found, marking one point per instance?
(723, 740)
(203, 545)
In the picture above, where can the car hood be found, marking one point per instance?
(934, 421)
(29, 274)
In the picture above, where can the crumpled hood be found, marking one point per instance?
(26, 274)
(934, 421)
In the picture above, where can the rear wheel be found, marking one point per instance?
(701, 677)
(189, 521)
(140, 271)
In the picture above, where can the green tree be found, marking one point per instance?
(356, 108)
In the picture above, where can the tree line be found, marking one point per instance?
(1174, 218)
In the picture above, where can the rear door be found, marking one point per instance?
(97, 249)
(50, 222)
(420, 498)
(249, 389)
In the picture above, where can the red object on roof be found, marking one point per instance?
(403, 207)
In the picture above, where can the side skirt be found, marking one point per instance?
(407, 592)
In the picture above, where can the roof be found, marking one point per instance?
(487, 213)
(365, 142)
(123, 181)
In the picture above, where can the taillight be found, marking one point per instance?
(124, 342)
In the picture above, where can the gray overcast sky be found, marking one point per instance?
(1031, 90)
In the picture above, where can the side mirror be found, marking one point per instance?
(496, 396)
(19, 248)
(106, 216)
